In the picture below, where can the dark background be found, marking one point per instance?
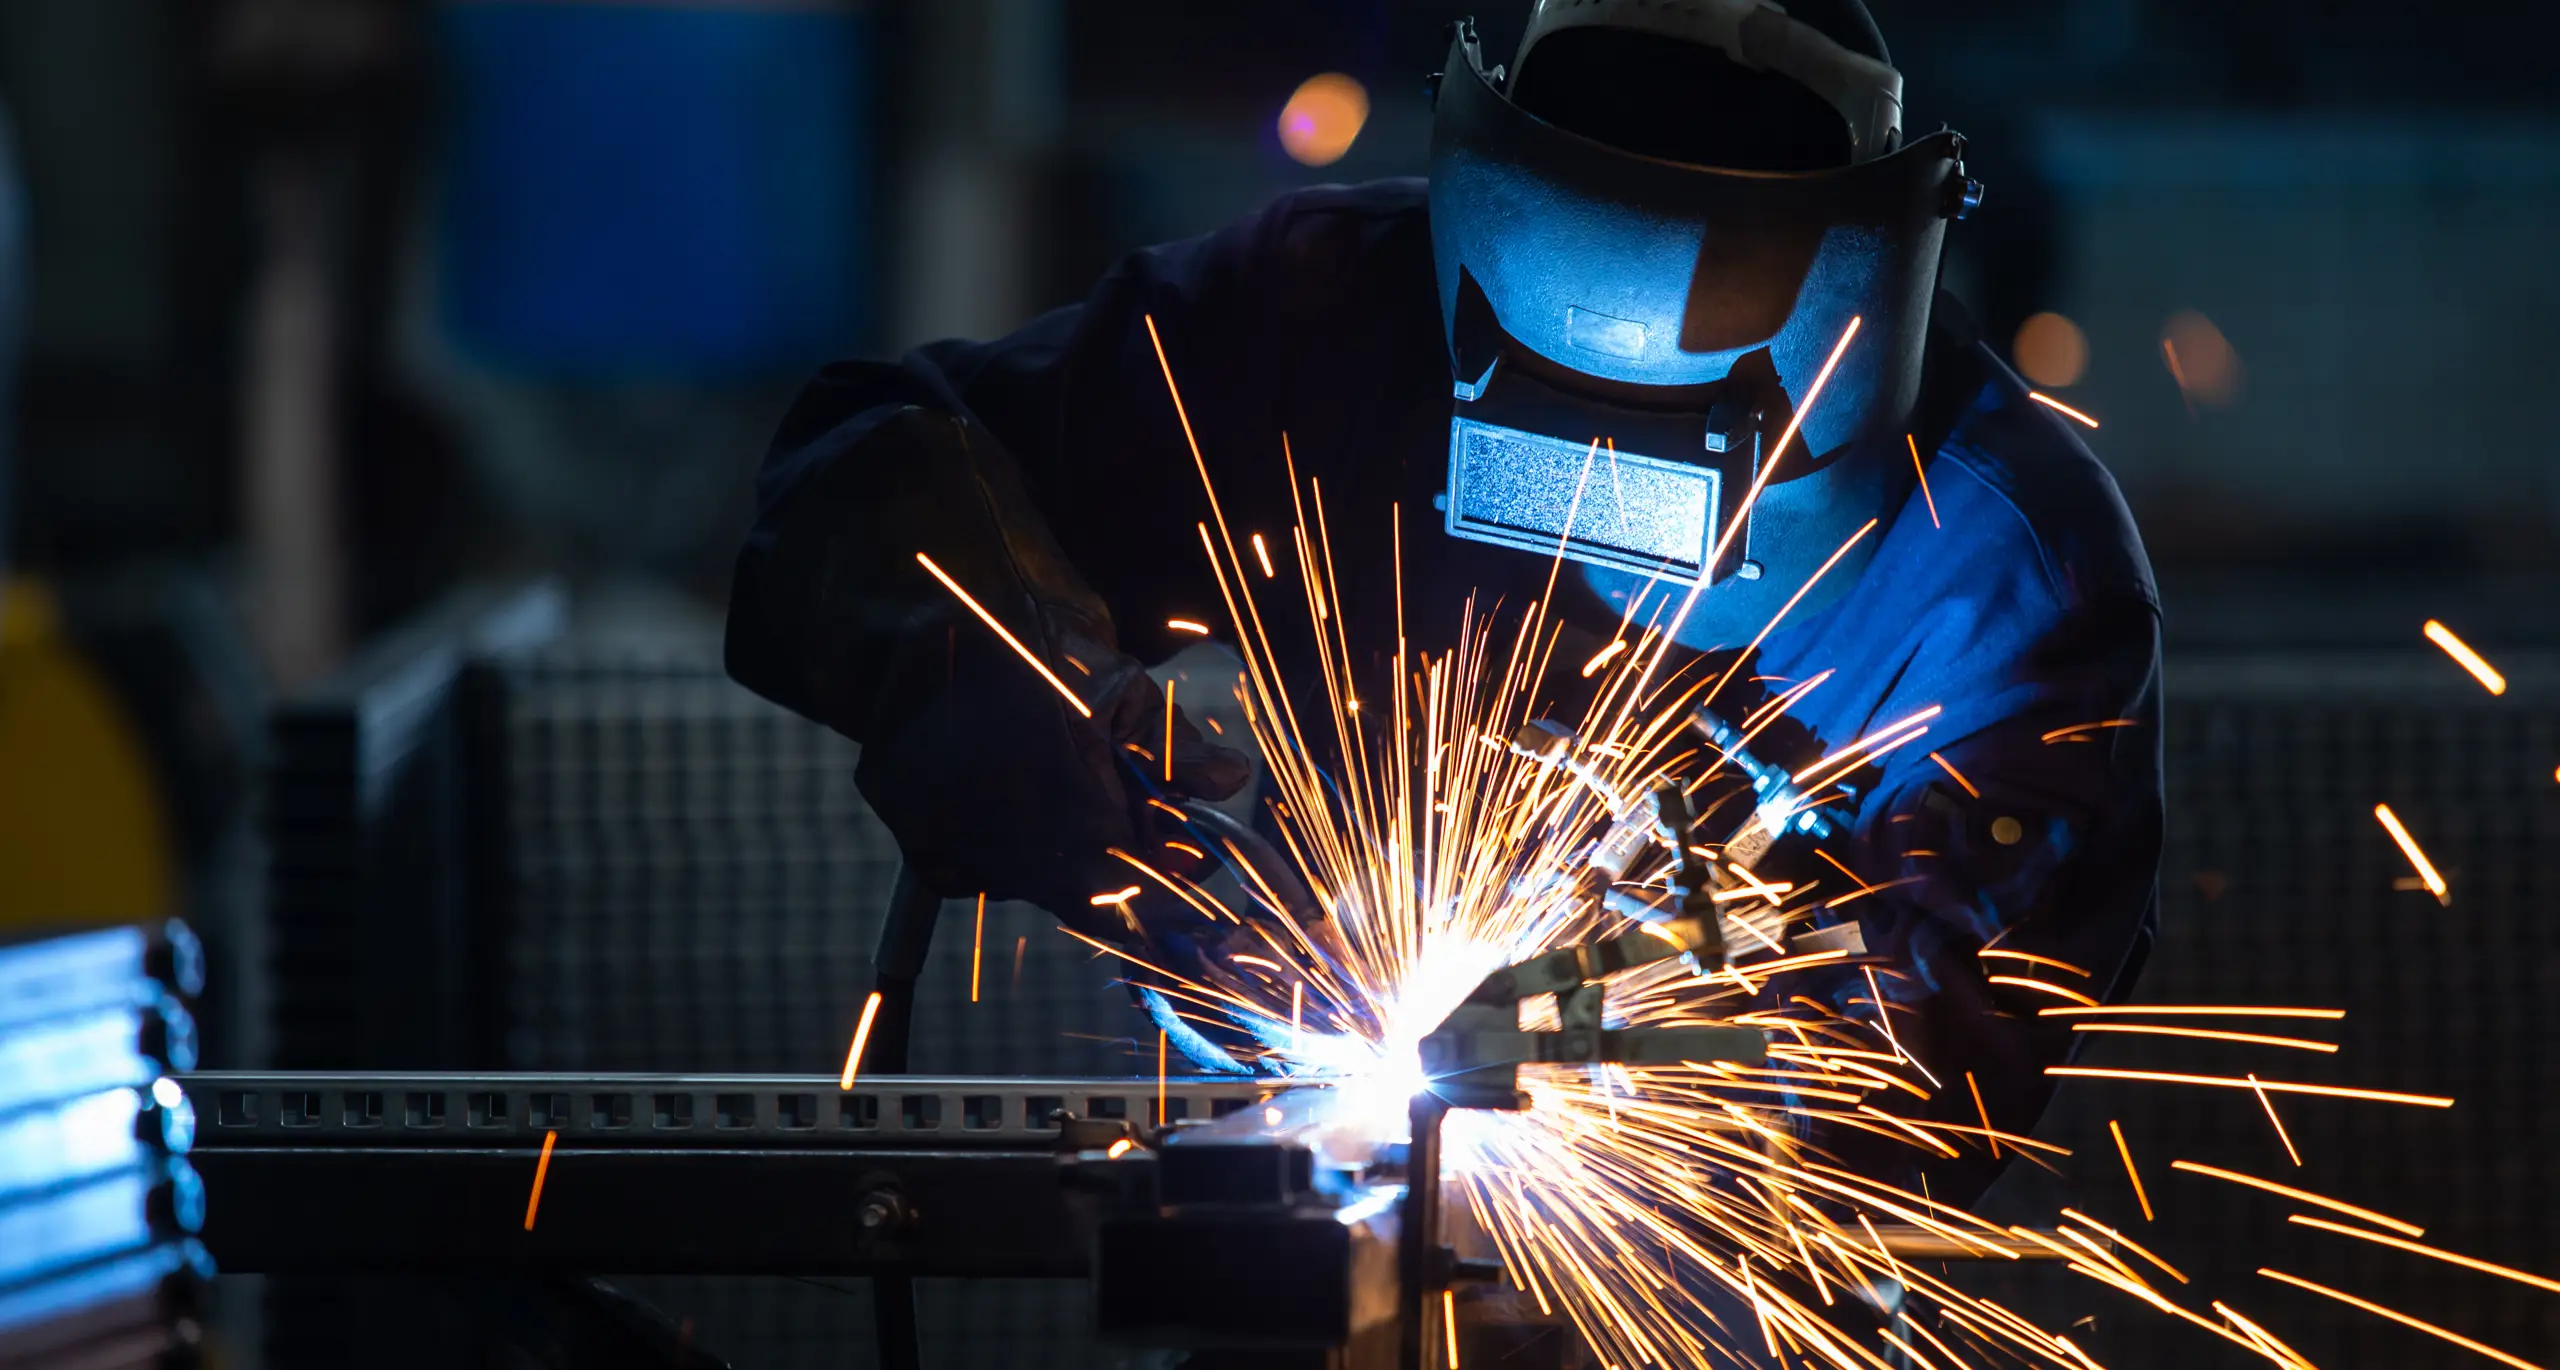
(326, 308)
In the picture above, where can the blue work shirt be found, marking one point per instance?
(2011, 593)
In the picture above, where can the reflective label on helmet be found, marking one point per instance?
(1538, 493)
(1611, 337)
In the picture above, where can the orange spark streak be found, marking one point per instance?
(862, 1035)
(1950, 768)
(2484, 1267)
(1715, 557)
(2209, 1034)
(1875, 740)
(2472, 661)
(2060, 733)
(1988, 1135)
(2025, 982)
(1184, 625)
(2269, 1105)
(2196, 1010)
(978, 947)
(2285, 1355)
(1262, 553)
(1120, 896)
(2059, 407)
(1120, 1148)
(1001, 631)
(1449, 1321)
(2130, 1173)
(1161, 1035)
(1592, 667)
(2306, 1196)
(1924, 480)
(1019, 944)
(2409, 847)
(541, 1168)
(2404, 1319)
(2278, 1087)
(2135, 1247)
(1169, 716)
(2032, 959)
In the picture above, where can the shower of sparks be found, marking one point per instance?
(1003, 632)
(541, 1169)
(1647, 1205)
(861, 1038)
(2403, 1319)
(2059, 407)
(2409, 847)
(2471, 661)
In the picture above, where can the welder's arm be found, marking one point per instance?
(988, 775)
(1045, 473)
(2036, 834)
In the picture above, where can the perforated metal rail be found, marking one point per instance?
(887, 1112)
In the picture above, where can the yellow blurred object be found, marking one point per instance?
(1323, 118)
(82, 836)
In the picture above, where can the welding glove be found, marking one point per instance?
(989, 775)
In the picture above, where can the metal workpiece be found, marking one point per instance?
(321, 1110)
(770, 1175)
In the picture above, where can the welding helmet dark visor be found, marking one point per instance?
(1632, 336)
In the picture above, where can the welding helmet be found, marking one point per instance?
(1632, 331)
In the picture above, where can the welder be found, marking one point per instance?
(1645, 244)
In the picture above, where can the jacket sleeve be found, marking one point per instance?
(2006, 871)
(1031, 470)
(1082, 426)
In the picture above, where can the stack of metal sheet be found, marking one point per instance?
(99, 1266)
(2280, 887)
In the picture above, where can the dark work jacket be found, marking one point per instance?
(2012, 592)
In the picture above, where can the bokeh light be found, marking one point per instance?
(1323, 118)
(2201, 360)
(2051, 351)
